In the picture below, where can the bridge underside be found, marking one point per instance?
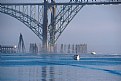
(49, 19)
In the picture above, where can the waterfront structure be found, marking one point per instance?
(36, 16)
(36, 48)
(73, 48)
(7, 49)
(55, 48)
(39, 48)
(33, 48)
(69, 48)
(21, 46)
(82, 48)
(62, 48)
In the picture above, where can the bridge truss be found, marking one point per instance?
(48, 20)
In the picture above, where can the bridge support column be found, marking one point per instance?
(53, 27)
(45, 28)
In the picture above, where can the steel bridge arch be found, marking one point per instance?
(53, 29)
(30, 22)
(36, 26)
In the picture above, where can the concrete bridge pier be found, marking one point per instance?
(45, 28)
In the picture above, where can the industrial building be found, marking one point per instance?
(7, 49)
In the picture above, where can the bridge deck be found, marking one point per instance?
(66, 3)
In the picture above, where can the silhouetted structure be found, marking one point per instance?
(83, 48)
(39, 48)
(71, 49)
(33, 48)
(61, 48)
(7, 49)
(55, 48)
(21, 46)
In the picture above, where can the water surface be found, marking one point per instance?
(59, 67)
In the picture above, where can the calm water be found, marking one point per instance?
(59, 67)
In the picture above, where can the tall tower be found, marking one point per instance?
(21, 46)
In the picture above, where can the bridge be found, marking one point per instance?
(49, 18)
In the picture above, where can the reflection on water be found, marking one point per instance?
(44, 73)
(59, 68)
(47, 73)
(52, 73)
(23, 73)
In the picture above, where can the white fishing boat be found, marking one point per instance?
(93, 53)
(76, 57)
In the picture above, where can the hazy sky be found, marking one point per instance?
(99, 26)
